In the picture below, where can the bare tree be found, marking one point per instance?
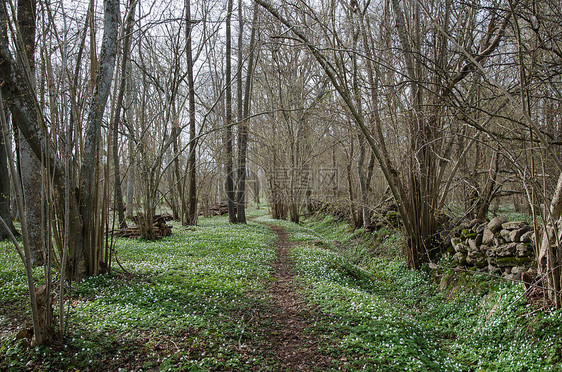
(21, 100)
(244, 115)
(191, 212)
(116, 115)
(229, 185)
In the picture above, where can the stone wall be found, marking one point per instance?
(500, 247)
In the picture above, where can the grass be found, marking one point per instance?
(185, 308)
(382, 316)
(194, 298)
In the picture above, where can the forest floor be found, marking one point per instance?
(277, 296)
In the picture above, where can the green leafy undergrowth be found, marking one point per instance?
(185, 307)
(384, 317)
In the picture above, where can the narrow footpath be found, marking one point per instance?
(292, 346)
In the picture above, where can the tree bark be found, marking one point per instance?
(550, 252)
(130, 206)
(85, 259)
(5, 212)
(30, 164)
(230, 192)
(191, 217)
(128, 29)
(244, 124)
(34, 205)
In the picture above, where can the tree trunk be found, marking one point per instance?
(128, 29)
(364, 216)
(229, 185)
(39, 318)
(85, 260)
(34, 205)
(30, 164)
(244, 124)
(130, 206)
(191, 217)
(5, 192)
(550, 252)
(485, 199)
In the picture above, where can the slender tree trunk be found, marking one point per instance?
(34, 206)
(244, 124)
(30, 164)
(230, 193)
(37, 302)
(483, 202)
(242, 132)
(363, 218)
(85, 258)
(128, 29)
(550, 252)
(177, 188)
(352, 207)
(191, 218)
(5, 192)
(363, 210)
(257, 188)
(130, 206)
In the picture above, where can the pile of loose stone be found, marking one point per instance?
(501, 247)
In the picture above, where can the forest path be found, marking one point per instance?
(291, 345)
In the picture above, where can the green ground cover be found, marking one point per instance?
(384, 315)
(185, 306)
(195, 300)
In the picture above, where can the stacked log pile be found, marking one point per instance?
(160, 227)
(219, 209)
(498, 246)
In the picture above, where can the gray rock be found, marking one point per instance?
(479, 239)
(496, 223)
(473, 246)
(505, 250)
(527, 237)
(473, 255)
(455, 242)
(499, 241)
(488, 236)
(484, 249)
(478, 260)
(480, 228)
(514, 225)
(481, 262)
(494, 269)
(461, 248)
(524, 250)
(506, 235)
(460, 258)
(515, 235)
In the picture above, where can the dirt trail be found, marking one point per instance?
(292, 347)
